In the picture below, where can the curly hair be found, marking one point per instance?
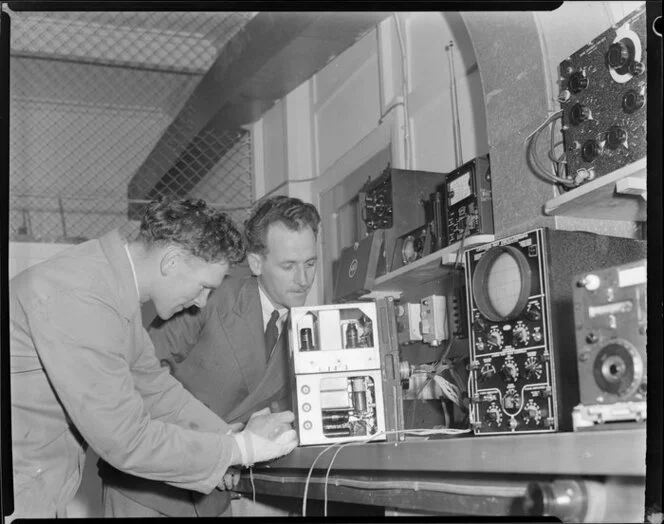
(292, 212)
(206, 233)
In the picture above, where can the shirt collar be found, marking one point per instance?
(267, 308)
(133, 270)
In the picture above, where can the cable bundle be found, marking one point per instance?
(557, 172)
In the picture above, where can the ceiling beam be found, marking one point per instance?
(269, 57)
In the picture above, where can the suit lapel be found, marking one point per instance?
(243, 326)
(272, 387)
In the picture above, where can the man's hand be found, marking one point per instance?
(230, 480)
(236, 427)
(266, 436)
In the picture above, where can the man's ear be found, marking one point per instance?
(169, 260)
(255, 263)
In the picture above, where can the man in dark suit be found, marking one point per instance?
(233, 353)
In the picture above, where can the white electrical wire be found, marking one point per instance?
(253, 487)
(311, 469)
(342, 444)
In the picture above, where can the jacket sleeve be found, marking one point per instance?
(165, 397)
(83, 344)
(174, 338)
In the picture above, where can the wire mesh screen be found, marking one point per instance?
(92, 93)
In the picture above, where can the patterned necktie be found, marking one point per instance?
(271, 332)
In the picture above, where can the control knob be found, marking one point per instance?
(487, 371)
(521, 335)
(577, 82)
(615, 137)
(533, 368)
(633, 101)
(533, 313)
(532, 413)
(618, 54)
(494, 414)
(579, 114)
(509, 371)
(511, 401)
(590, 150)
(479, 323)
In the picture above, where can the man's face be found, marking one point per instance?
(288, 268)
(185, 281)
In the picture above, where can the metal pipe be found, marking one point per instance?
(62, 217)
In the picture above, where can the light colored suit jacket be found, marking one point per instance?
(84, 372)
(219, 355)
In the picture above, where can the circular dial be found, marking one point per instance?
(510, 371)
(532, 412)
(511, 402)
(494, 414)
(533, 368)
(494, 339)
(618, 368)
(501, 283)
(487, 371)
(520, 335)
(380, 206)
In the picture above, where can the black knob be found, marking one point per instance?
(492, 416)
(533, 314)
(579, 113)
(591, 338)
(510, 402)
(577, 82)
(566, 67)
(633, 101)
(479, 323)
(615, 137)
(509, 372)
(636, 68)
(590, 150)
(618, 54)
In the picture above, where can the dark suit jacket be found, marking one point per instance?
(219, 355)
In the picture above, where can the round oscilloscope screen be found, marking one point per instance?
(501, 283)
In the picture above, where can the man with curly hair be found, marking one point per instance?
(224, 353)
(84, 371)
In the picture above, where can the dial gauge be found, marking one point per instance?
(501, 283)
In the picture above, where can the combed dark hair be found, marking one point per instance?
(193, 225)
(292, 212)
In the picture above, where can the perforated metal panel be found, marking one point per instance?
(91, 94)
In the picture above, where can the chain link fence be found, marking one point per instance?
(92, 93)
